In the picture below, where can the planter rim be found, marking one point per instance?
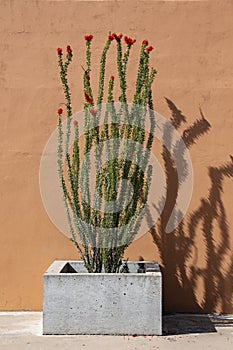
(56, 267)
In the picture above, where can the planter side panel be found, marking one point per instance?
(102, 304)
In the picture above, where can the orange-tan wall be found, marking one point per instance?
(193, 54)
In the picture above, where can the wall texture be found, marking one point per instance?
(193, 55)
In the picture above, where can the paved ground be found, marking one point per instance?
(23, 330)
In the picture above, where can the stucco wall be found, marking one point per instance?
(193, 55)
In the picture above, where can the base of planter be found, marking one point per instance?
(77, 302)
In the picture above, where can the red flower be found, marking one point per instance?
(75, 122)
(117, 37)
(112, 78)
(129, 41)
(88, 37)
(59, 51)
(145, 42)
(68, 50)
(93, 112)
(111, 36)
(59, 111)
(149, 48)
(88, 98)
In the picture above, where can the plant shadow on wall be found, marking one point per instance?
(179, 253)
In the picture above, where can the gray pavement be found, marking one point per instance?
(23, 330)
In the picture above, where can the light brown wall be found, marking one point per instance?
(193, 55)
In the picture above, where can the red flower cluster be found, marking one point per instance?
(59, 51)
(129, 41)
(93, 112)
(117, 37)
(145, 42)
(112, 78)
(88, 37)
(88, 98)
(59, 111)
(149, 48)
(68, 50)
(75, 122)
(111, 36)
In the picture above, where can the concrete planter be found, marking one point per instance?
(77, 302)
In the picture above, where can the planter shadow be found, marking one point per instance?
(187, 324)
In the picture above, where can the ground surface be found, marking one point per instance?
(23, 330)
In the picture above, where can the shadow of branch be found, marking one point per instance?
(179, 251)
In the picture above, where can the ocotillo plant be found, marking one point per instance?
(103, 224)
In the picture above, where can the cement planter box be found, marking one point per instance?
(77, 302)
